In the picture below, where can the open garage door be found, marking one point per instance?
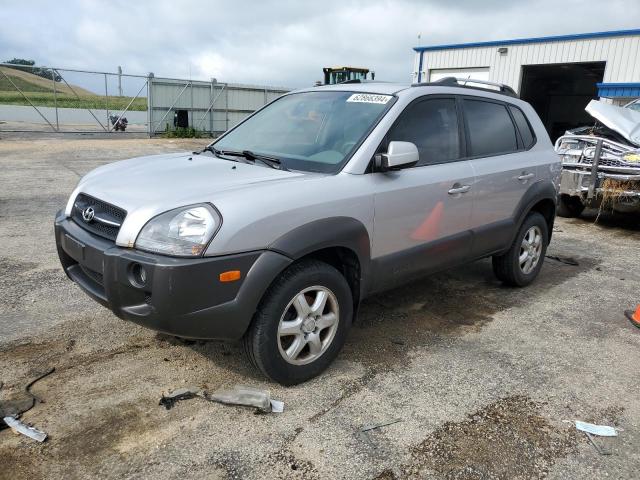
(560, 92)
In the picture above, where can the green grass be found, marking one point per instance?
(9, 96)
(182, 132)
(22, 85)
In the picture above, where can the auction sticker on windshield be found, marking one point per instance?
(369, 98)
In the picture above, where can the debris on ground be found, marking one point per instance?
(600, 430)
(595, 445)
(169, 400)
(14, 407)
(19, 427)
(363, 432)
(373, 426)
(238, 395)
(590, 429)
(566, 260)
(248, 397)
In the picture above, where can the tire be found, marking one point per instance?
(508, 268)
(281, 309)
(570, 206)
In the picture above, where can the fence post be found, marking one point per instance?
(106, 101)
(191, 111)
(226, 107)
(149, 103)
(119, 80)
(213, 88)
(55, 98)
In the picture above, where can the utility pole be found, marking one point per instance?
(119, 80)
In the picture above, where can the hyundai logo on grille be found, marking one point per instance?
(88, 214)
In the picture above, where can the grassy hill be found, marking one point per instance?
(40, 92)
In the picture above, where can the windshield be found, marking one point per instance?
(313, 131)
(634, 105)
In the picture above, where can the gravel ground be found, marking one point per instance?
(483, 378)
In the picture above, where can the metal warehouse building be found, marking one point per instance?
(558, 75)
(210, 107)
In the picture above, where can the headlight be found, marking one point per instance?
(183, 232)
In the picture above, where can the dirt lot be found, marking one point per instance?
(483, 378)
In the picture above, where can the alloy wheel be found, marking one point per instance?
(308, 325)
(530, 250)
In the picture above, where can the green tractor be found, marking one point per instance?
(333, 75)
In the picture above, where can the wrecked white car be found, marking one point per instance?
(601, 163)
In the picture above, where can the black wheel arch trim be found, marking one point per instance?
(537, 192)
(331, 232)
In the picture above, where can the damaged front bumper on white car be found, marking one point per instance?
(603, 162)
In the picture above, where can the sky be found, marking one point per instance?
(278, 43)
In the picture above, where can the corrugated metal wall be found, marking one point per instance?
(212, 107)
(621, 55)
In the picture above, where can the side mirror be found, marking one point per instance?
(399, 154)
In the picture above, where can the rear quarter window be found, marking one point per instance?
(526, 133)
(490, 129)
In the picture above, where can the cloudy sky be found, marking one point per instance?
(280, 43)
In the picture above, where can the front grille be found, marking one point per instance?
(579, 151)
(105, 220)
(607, 162)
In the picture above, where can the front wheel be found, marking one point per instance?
(520, 265)
(301, 323)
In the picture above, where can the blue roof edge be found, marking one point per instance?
(619, 90)
(618, 85)
(516, 41)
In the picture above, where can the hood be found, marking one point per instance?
(624, 121)
(148, 186)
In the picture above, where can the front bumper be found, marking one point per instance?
(181, 296)
(576, 182)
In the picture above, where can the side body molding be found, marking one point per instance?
(496, 238)
(345, 232)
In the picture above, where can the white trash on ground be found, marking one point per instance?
(248, 397)
(31, 432)
(600, 430)
(238, 395)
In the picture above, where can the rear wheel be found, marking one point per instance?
(520, 265)
(570, 206)
(301, 323)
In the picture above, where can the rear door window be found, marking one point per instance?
(432, 125)
(524, 128)
(490, 129)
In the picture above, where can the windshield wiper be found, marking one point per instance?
(248, 155)
(272, 162)
(217, 153)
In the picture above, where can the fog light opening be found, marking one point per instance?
(138, 275)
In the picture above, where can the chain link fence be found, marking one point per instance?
(62, 100)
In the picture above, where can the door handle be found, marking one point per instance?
(526, 176)
(459, 189)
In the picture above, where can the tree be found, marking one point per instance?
(29, 67)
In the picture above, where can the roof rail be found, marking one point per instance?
(462, 82)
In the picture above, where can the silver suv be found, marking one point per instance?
(276, 231)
